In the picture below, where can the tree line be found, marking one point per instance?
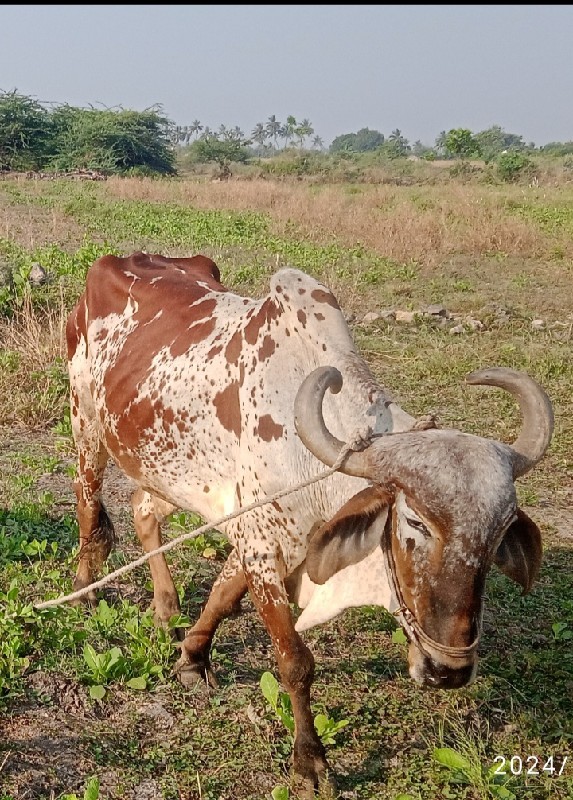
(37, 136)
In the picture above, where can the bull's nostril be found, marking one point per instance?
(433, 680)
(438, 676)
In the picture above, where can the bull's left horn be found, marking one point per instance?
(536, 408)
(310, 426)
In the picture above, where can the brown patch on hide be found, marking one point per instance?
(228, 409)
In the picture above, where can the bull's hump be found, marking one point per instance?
(296, 288)
(151, 279)
(312, 313)
(149, 267)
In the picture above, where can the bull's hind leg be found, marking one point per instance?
(148, 514)
(194, 667)
(96, 529)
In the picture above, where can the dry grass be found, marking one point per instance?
(32, 346)
(424, 224)
(32, 226)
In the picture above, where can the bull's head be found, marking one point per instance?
(442, 505)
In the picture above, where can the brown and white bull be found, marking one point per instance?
(210, 401)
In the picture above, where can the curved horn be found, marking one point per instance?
(309, 421)
(535, 406)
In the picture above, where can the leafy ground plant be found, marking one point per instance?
(464, 771)
(91, 791)
(326, 726)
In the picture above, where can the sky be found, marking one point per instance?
(419, 68)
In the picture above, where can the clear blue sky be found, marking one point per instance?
(421, 69)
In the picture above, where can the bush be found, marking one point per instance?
(513, 165)
(24, 132)
(68, 138)
(293, 163)
(111, 141)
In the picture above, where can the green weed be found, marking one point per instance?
(326, 726)
(91, 791)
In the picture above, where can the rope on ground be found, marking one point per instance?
(360, 440)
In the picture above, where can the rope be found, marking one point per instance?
(358, 441)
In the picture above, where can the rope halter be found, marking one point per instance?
(449, 656)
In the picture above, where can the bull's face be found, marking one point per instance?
(440, 571)
(443, 508)
(442, 586)
(436, 570)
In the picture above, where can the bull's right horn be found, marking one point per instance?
(536, 408)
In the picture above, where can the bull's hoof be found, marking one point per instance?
(88, 599)
(195, 676)
(323, 787)
(312, 777)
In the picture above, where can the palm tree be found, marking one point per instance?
(440, 143)
(399, 142)
(303, 130)
(317, 143)
(236, 134)
(196, 127)
(259, 134)
(273, 128)
(289, 129)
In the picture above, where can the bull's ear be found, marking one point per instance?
(351, 535)
(519, 553)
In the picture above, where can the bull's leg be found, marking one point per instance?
(225, 597)
(96, 529)
(148, 514)
(296, 668)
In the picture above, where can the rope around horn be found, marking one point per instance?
(360, 440)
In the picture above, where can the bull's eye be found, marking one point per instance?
(418, 525)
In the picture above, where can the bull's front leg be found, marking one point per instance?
(194, 666)
(296, 667)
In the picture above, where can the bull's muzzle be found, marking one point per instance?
(428, 672)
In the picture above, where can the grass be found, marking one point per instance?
(72, 715)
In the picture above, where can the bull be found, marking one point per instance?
(210, 401)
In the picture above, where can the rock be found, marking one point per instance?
(38, 275)
(149, 789)
(457, 329)
(388, 314)
(159, 714)
(435, 310)
(474, 324)
(405, 316)
(538, 325)
(371, 316)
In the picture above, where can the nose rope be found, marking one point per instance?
(407, 618)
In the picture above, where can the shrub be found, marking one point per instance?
(513, 165)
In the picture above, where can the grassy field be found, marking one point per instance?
(87, 698)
